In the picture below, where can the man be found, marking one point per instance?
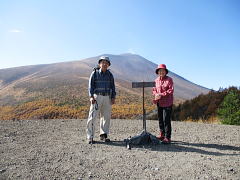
(163, 93)
(102, 96)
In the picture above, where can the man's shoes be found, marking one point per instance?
(91, 141)
(161, 136)
(107, 140)
(103, 137)
(166, 140)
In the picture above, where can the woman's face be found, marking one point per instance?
(162, 72)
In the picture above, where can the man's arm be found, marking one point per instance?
(113, 90)
(91, 87)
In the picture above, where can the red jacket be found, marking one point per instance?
(164, 87)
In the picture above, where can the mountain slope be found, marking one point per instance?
(69, 80)
(136, 68)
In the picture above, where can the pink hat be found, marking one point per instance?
(161, 66)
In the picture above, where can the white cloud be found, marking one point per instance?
(131, 51)
(15, 31)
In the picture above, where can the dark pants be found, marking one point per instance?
(164, 118)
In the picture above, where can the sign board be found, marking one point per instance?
(142, 84)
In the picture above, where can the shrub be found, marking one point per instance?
(229, 110)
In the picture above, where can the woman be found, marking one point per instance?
(163, 97)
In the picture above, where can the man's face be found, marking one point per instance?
(104, 65)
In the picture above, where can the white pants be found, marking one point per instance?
(104, 111)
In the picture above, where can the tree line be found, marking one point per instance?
(223, 104)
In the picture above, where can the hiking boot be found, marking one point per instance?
(103, 137)
(166, 140)
(161, 136)
(91, 141)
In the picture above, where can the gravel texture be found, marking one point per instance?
(57, 149)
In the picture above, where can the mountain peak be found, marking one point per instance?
(126, 68)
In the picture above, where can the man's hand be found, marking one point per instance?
(113, 101)
(92, 100)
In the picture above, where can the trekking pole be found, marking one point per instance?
(95, 108)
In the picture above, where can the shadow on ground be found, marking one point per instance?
(180, 146)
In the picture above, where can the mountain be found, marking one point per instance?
(131, 67)
(70, 80)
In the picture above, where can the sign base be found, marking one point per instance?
(141, 139)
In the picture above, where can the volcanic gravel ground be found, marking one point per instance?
(57, 149)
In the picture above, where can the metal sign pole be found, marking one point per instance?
(143, 85)
(145, 137)
(144, 119)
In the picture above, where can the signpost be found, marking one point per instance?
(144, 137)
(143, 85)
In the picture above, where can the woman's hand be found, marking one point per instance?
(157, 96)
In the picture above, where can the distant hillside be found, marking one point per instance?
(132, 67)
(24, 83)
(60, 90)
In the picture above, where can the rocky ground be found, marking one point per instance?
(57, 149)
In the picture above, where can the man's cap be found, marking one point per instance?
(105, 58)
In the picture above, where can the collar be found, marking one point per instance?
(162, 78)
(101, 72)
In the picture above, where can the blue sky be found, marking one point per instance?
(197, 39)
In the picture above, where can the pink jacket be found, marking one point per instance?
(164, 87)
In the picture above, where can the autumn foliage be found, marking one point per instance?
(125, 107)
(41, 109)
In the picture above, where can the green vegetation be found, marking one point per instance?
(229, 110)
(223, 103)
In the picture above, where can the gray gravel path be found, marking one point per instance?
(57, 149)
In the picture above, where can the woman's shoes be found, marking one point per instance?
(161, 136)
(166, 140)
